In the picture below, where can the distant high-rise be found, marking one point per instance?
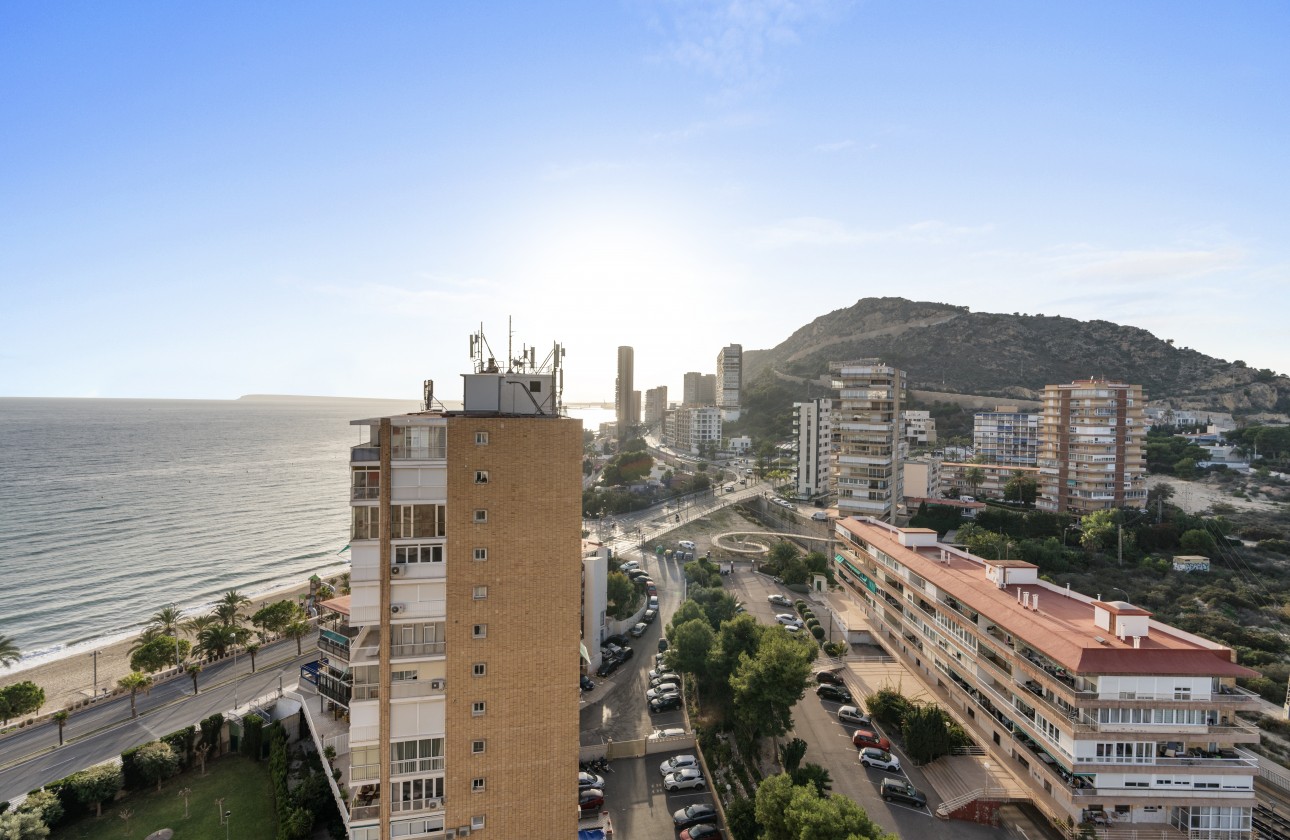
(623, 390)
(1091, 447)
(655, 405)
(866, 433)
(729, 376)
(1006, 436)
(700, 389)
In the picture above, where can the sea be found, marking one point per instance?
(111, 509)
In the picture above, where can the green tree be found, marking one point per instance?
(1098, 530)
(927, 734)
(229, 607)
(43, 803)
(9, 652)
(134, 681)
(299, 822)
(741, 819)
(217, 639)
(814, 775)
(252, 649)
(1021, 488)
(20, 699)
(620, 595)
(718, 605)
(691, 642)
(156, 762)
(793, 812)
(273, 618)
(23, 825)
(688, 611)
(193, 669)
(298, 630)
(791, 753)
(60, 718)
(1197, 541)
(766, 688)
(737, 637)
(166, 621)
(158, 653)
(96, 786)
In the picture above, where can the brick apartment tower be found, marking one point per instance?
(1091, 449)
(624, 392)
(464, 622)
(866, 433)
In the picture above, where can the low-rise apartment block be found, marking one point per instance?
(1107, 715)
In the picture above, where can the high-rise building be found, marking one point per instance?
(1102, 713)
(1091, 454)
(729, 380)
(624, 388)
(700, 389)
(690, 429)
(813, 447)
(866, 433)
(1006, 436)
(466, 582)
(655, 405)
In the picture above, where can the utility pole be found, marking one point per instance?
(1120, 530)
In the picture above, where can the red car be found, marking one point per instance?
(868, 738)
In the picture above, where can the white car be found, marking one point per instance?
(688, 545)
(879, 759)
(690, 777)
(779, 600)
(630, 565)
(664, 734)
(677, 762)
(787, 618)
(852, 714)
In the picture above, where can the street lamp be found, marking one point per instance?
(227, 819)
(1118, 589)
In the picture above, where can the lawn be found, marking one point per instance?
(242, 784)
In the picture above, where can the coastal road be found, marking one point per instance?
(31, 757)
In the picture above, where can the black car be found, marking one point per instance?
(608, 665)
(828, 677)
(693, 814)
(902, 791)
(835, 693)
(585, 683)
(616, 639)
(665, 703)
(626, 653)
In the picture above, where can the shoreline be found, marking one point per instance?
(68, 675)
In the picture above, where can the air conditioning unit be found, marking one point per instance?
(396, 608)
(438, 685)
(434, 804)
(464, 831)
(396, 570)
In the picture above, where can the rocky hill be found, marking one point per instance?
(951, 349)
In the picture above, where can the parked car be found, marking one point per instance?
(820, 516)
(585, 683)
(626, 653)
(659, 659)
(629, 566)
(786, 618)
(702, 831)
(590, 780)
(664, 734)
(688, 545)
(653, 602)
(649, 616)
(694, 814)
(862, 738)
(854, 714)
(616, 639)
(677, 762)
(691, 778)
(902, 791)
(665, 703)
(591, 799)
(638, 629)
(879, 759)
(829, 677)
(608, 665)
(730, 488)
(779, 600)
(661, 689)
(662, 644)
(836, 693)
(664, 677)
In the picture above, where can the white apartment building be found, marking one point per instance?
(1105, 714)
(866, 436)
(730, 365)
(465, 593)
(918, 428)
(813, 448)
(688, 429)
(1006, 436)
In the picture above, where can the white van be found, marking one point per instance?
(688, 545)
(820, 516)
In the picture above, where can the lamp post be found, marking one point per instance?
(1118, 589)
(226, 820)
(95, 656)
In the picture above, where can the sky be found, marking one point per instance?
(211, 200)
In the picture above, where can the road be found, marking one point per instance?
(31, 757)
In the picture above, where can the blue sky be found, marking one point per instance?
(219, 199)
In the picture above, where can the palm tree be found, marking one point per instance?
(60, 718)
(9, 652)
(150, 634)
(195, 625)
(252, 649)
(229, 606)
(217, 639)
(166, 620)
(297, 630)
(193, 669)
(134, 681)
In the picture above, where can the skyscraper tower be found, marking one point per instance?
(730, 365)
(1091, 447)
(466, 579)
(866, 431)
(624, 391)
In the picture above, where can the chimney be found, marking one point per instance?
(1034, 602)
(1025, 601)
(1137, 641)
(1018, 595)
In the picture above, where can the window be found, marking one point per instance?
(477, 747)
(478, 708)
(413, 521)
(477, 785)
(479, 669)
(481, 554)
(535, 386)
(419, 442)
(481, 438)
(481, 516)
(476, 823)
(418, 553)
(366, 483)
(402, 676)
(421, 756)
(480, 631)
(366, 523)
(481, 592)
(481, 476)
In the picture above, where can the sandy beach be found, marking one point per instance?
(70, 680)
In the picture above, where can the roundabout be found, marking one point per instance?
(738, 542)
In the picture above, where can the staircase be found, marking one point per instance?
(994, 795)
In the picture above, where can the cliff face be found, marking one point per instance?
(948, 348)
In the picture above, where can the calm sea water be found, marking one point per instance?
(112, 509)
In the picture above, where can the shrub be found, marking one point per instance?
(818, 632)
(252, 737)
(836, 648)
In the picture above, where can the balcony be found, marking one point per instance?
(365, 452)
(335, 644)
(370, 652)
(402, 690)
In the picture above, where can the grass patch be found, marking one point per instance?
(242, 784)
